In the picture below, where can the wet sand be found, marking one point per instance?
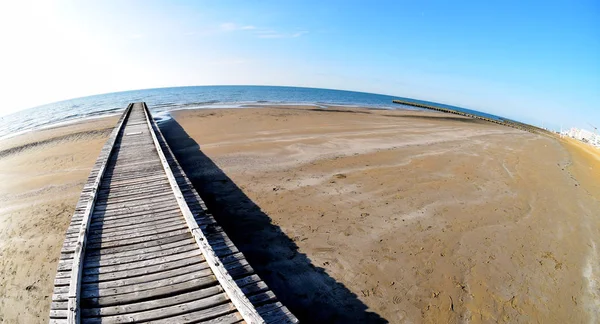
(361, 215)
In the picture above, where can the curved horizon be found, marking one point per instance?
(540, 68)
(198, 97)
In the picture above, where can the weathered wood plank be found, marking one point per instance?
(132, 225)
(132, 247)
(167, 247)
(92, 291)
(148, 278)
(202, 313)
(136, 240)
(73, 302)
(151, 304)
(120, 184)
(135, 191)
(135, 234)
(142, 271)
(280, 315)
(135, 228)
(105, 206)
(155, 293)
(89, 271)
(226, 319)
(114, 219)
(263, 298)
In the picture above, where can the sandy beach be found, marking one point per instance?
(42, 176)
(349, 215)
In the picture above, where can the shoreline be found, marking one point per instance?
(111, 112)
(402, 211)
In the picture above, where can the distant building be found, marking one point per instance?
(583, 135)
(586, 135)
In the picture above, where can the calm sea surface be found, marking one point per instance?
(160, 101)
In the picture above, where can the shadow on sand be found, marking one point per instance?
(308, 291)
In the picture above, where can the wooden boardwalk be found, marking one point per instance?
(141, 246)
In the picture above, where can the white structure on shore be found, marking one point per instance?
(583, 135)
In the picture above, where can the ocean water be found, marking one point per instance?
(161, 101)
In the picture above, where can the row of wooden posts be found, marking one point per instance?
(521, 126)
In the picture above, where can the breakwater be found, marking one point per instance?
(503, 122)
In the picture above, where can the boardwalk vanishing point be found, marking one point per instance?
(142, 247)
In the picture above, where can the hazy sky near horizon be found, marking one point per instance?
(536, 61)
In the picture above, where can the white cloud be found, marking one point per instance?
(229, 26)
(259, 32)
(274, 34)
(229, 61)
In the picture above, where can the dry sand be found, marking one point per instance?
(350, 216)
(42, 174)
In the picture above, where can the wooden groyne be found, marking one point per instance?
(503, 122)
(142, 247)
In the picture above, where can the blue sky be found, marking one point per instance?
(537, 61)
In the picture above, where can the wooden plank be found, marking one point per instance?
(58, 314)
(138, 246)
(247, 280)
(126, 215)
(151, 304)
(128, 224)
(128, 235)
(59, 306)
(279, 315)
(148, 278)
(139, 252)
(139, 197)
(136, 240)
(130, 210)
(73, 302)
(139, 296)
(223, 251)
(239, 272)
(106, 206)
(120, 184)
(141, 264)
(142, 271)
(242, 304)
(132, 173)
(268, 308)
(226, 319)
(131, 224)
(132, 239)
(92, 291)
(134, 191)
(66, 264)
(263, 298)
(255, 288)
(135, 228)
(202, 314)
(133, 177)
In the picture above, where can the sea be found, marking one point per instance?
(163, 100)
